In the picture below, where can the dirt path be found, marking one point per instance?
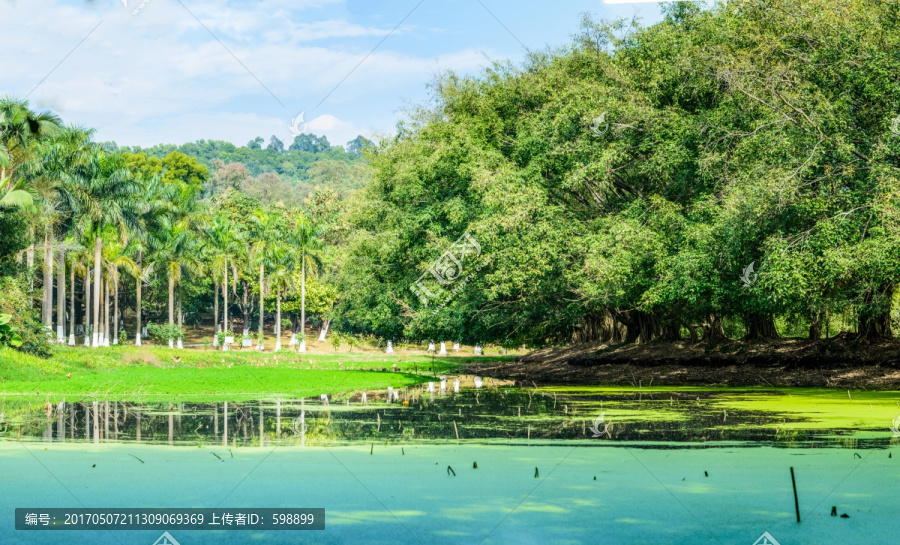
(837, 363)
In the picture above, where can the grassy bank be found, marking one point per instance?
(148, 374)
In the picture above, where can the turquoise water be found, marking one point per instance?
(677, 467)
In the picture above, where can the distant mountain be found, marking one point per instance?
(274, 173)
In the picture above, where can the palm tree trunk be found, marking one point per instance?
(225, 299)
(106, 336)
(180, 320)
(278, 320)
(29, 262)
(61, 299)
(47, 269)
(262, 315)
(72, 308)
(302, 347)
(215, 312)
(171, 307)
(140, 271)
(244, 307)
(87, 306)
(98, 246)
(116, 315)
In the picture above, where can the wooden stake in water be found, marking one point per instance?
(456, 430)
(796, 503)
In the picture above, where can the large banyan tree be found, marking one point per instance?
(718, 172)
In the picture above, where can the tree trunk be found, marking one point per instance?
(760, 327)
(278, 319)
(692, 330)
(245, 309)
(116, 315)
(106, 336)
(815, 328)
(180, 320)
(61, 299)
(671, 332)
(876, 323)
(215, 312)
(302, 347)
(641, 326)
(98, 246)
(47, 270)
(72, 307)
(324, 331)
(87, 306)
(714, 329)
(262, 315)
(29, 262)
(225, 299)
(171, 307)
(600, 326)
(140, 274)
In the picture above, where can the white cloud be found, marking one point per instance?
(158, 76)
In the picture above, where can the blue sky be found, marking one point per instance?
(174, 71)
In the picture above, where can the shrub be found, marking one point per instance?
(23, 323)
(162, 333)
(221, 336)
(7, 337)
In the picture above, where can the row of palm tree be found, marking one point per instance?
(95, 218)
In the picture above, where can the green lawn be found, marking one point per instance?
(148, 374)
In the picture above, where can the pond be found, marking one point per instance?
(495, 464)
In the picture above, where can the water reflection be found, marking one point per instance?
(432, 412)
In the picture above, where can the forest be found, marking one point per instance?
(729, 172)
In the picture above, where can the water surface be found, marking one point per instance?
(554, 464)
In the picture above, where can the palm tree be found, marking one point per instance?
(155, 215)
(115, 259)
(19, 126)
(223, 244)
(306, 240)
(265, 228)
(42, 169)
(14, 196)
(280, 278)
(177, 250)
(104, 195)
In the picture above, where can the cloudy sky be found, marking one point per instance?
(175, 71)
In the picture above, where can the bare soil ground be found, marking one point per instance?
(840, 362)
